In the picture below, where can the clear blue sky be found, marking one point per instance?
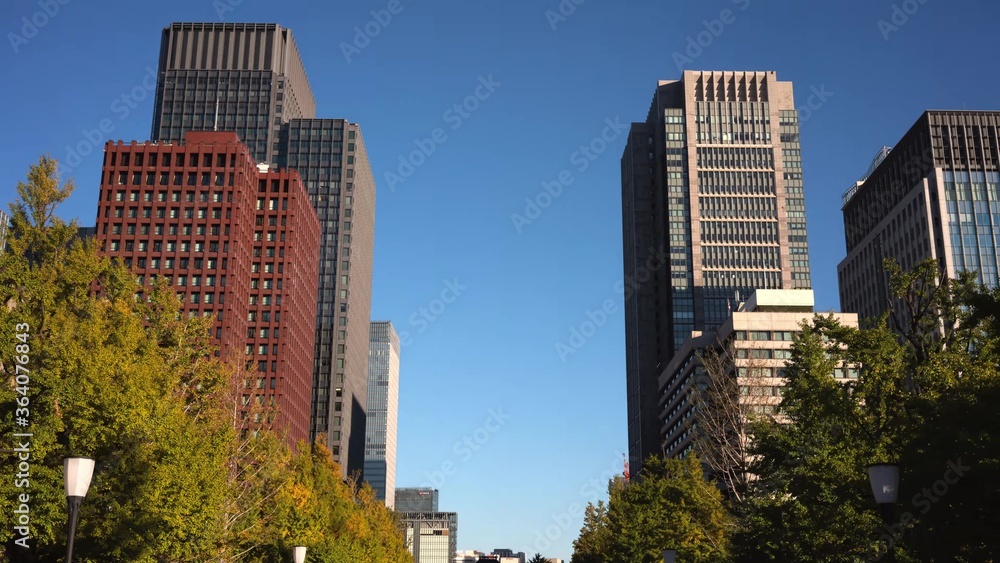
(494, 346)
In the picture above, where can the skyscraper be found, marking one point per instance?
(382, 411)
(249, 78)
(330, 155)
(236, 244)
(242, 77)
(712, 209)
(935, 195)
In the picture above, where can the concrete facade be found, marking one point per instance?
(713, 205)
(936, 195)
(760, 332)
(432, 537)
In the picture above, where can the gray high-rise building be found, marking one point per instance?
(242, 77)
(249, 78)
(712, 208)
(330, 156)
(936, 195)
(416, 500)
(382, 411)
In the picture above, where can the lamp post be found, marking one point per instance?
(669, 555)
(884, 478)
(299, 554)
(77, 471)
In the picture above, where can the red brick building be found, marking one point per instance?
(237, 243)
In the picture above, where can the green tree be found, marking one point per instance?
(669, 506)
(920, 399)
(100, 385)
(112, 370)
(809, 502)
(594, 540)
(537, 558)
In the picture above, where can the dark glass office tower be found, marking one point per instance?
(249, 79)
(712, 208)
(246, 78)
(935, 195)
(330, 154)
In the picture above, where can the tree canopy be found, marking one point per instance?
(136, 386)
(924, 381)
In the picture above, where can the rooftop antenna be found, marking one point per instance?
(216, 127)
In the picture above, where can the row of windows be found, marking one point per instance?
(201, 230)
(161, 196)
(779, 335)
(738, 207)
(157, 246)
(763, 353)
(762, 390)
(182, 280)
(161, 213)
(739, 138)
(736, 182)
(122, 178)
(180, 160)
(744, 157)
(168, 263)
(263, 332)
(265, 316)
(762, 280)
(197, 298)
(300, 132)
(745, 232)
(741, 257)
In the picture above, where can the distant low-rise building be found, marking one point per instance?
(432, 537)
(509, 555)
(416, 499)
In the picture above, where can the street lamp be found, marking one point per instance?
(669, 555)
(299, 554)
(77, 472)
(884, 478)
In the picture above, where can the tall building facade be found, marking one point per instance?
(249, 78)
(712, 208)
(382, 411)
(936, 195)
(236, 243)
(331, 157)
(416, 500)
(242, 77)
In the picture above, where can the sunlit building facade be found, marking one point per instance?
(713, 208)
